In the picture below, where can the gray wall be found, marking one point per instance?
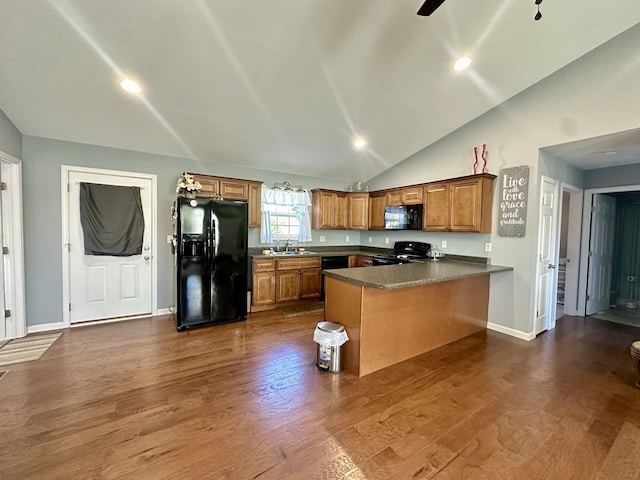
(10, 137)
(595, 95)
(42, 159)
(613, 176)
(591, 97)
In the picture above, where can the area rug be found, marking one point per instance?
(304, 309)
(26, 349)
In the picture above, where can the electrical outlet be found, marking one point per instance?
(487, 247)
(370, 239)
(323, 238)
(444, 244)
(386, 240)
(347, 238)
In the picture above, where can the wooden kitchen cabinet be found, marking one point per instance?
(471, 202)
(394, 197)
(377, 202)
(264, 282)
(255, 204)
(358, 211)
(278, 281)
(329, 210)
(298, 278)
(361, 261)
(436, 208)
(459, 205)
(234, 189)
(412, 195)
(405, 196)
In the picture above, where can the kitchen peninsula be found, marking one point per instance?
(395, 312)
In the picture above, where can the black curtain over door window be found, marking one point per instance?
(112, 219)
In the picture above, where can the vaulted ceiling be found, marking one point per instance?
(282, 85)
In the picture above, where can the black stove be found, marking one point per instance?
(404, 252)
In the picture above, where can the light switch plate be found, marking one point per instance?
(323, 238)
(444, 244)
(386, 240)
(487, 247)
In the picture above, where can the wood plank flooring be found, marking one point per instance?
(137, 400)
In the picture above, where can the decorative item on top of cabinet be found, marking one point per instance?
(329, 210)
(461, 204)
(233, 189)
(358, 211)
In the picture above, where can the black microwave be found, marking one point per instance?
(403, 217)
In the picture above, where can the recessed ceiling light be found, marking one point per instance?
(462, 63)
(130, 86)
(359, 143)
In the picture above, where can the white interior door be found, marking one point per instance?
(545, 272)
(5, 329)
(102, 287)
(603, 220)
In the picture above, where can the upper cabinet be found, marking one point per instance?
(459, 205)
(405, 195)
(377, 202)
(329, 210)
(233, 189)
(436, 207)
(412, 195)
(335, 210)
(358, 211)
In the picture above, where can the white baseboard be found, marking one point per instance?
(511, 331)
(165, 311)
(45, 327)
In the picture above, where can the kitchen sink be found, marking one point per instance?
(292, 252)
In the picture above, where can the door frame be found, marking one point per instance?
(65, 170)
(574, 253)
(12, 216)
(586, 229)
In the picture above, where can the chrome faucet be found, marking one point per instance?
(287, 245)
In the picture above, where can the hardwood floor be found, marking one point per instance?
(137, 400)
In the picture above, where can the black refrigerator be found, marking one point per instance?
(211, 262)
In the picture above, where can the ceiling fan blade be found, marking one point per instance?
(429, 7)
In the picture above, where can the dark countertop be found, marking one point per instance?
(413, 274)
(325, 252)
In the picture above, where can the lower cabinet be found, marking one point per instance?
(285, 280)
(361, 261)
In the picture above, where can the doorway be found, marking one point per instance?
(12, 286)
(103, 286)
(623, 287)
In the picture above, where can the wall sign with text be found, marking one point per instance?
(514, 195)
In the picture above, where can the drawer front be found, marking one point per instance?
(264, 265)
(298, 263)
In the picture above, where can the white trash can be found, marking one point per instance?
(330, 337)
